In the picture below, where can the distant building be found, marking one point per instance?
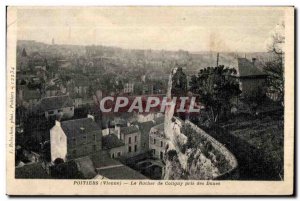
(56, 106)
(36, 59)
(113, 145)
(131, 136)
(75, 138)
(22, 60)
(27, 97)
(144, 117)
(251, 78)
(52, 90)
(81, 87)
(128, 87)
(157, 141)
(77, 101)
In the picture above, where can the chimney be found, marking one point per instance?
(57, 123)
(91, 117)
(253, 61)
(118, 132)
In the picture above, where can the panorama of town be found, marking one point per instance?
(62, 134)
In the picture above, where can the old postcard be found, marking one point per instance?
(150, 100)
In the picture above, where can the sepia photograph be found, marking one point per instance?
(146, 98)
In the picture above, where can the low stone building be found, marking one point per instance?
(114, 147)
(56, 106)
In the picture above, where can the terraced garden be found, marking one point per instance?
(257, 143)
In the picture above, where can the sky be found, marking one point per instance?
(171, 28)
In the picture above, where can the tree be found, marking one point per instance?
(215, 87)
(275, 67)
(179, 83)
(254, 100)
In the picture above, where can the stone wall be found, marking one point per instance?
(217, 145)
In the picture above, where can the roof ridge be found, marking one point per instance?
(76, 119)
(48, 97)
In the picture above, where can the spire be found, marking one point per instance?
(24, 53)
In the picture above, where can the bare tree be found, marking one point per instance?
(275, 66)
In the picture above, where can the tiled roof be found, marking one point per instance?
(111, 141)
(129, 130)
(80, 168)
(52, 87)
(85, 167)
(31, 171)
(55, 102)
(77, 127)
(145, 126)
(31, 94)
(102, 159)
(159, 120)
(121, 172)
(159, 127)
(246, 68)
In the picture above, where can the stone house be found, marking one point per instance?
(250, 77)
(131, 136)
(157, 141)
(75, 138)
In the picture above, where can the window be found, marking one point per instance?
(161, 143)
(153, 150)
(86, 150)
(135, 148)
(71, 108)
(129, 149)
(74, 153)
(135, 138)
(113, 155)
(95, 137)
(129, 140)
(154, 141)
(119, 154)
(161, 155)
